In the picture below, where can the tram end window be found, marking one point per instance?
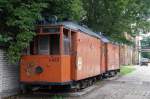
(67, 41)
(54, 44)
(43, 45)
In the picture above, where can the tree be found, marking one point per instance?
(114, 17)
(145, 54)
(17, 22)
(145, 43)
(65, 9)
(18, 18)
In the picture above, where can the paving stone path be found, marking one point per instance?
(135, 85)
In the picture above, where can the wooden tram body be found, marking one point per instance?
(103, 63)
(112, 57)
(67, 54)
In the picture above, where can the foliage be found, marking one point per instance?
(65, 9)
(145, 54)
(4, 39)
(114, 17)
(18, 19)
(17, 22)
(145, 42)
(57, 97)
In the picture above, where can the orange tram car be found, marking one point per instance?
(67, 54)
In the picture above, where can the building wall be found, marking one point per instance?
(9, 76)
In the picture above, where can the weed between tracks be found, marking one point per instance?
(57, 97)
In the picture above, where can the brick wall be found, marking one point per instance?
(9, 76)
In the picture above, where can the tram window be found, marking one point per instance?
(66, 43)
(43, 45)
(31, 48)
(54, 44)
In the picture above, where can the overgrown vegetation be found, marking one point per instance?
(124, 70)
(57, 97)
(112, 17)
(145, 43)
(17, 22)
(65, 9)
(18, 18)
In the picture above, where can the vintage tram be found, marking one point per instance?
(66, 53)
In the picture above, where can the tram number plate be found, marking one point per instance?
(54, 59)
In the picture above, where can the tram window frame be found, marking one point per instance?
(48, 29)
(35, 43)
(61, 42)
(67, 41)
(52, 46)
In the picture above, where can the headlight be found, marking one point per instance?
(39, 70)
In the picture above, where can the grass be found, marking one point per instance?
(126, 70)
(57, 97)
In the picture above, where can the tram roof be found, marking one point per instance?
(104, 39)
(77, 27)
